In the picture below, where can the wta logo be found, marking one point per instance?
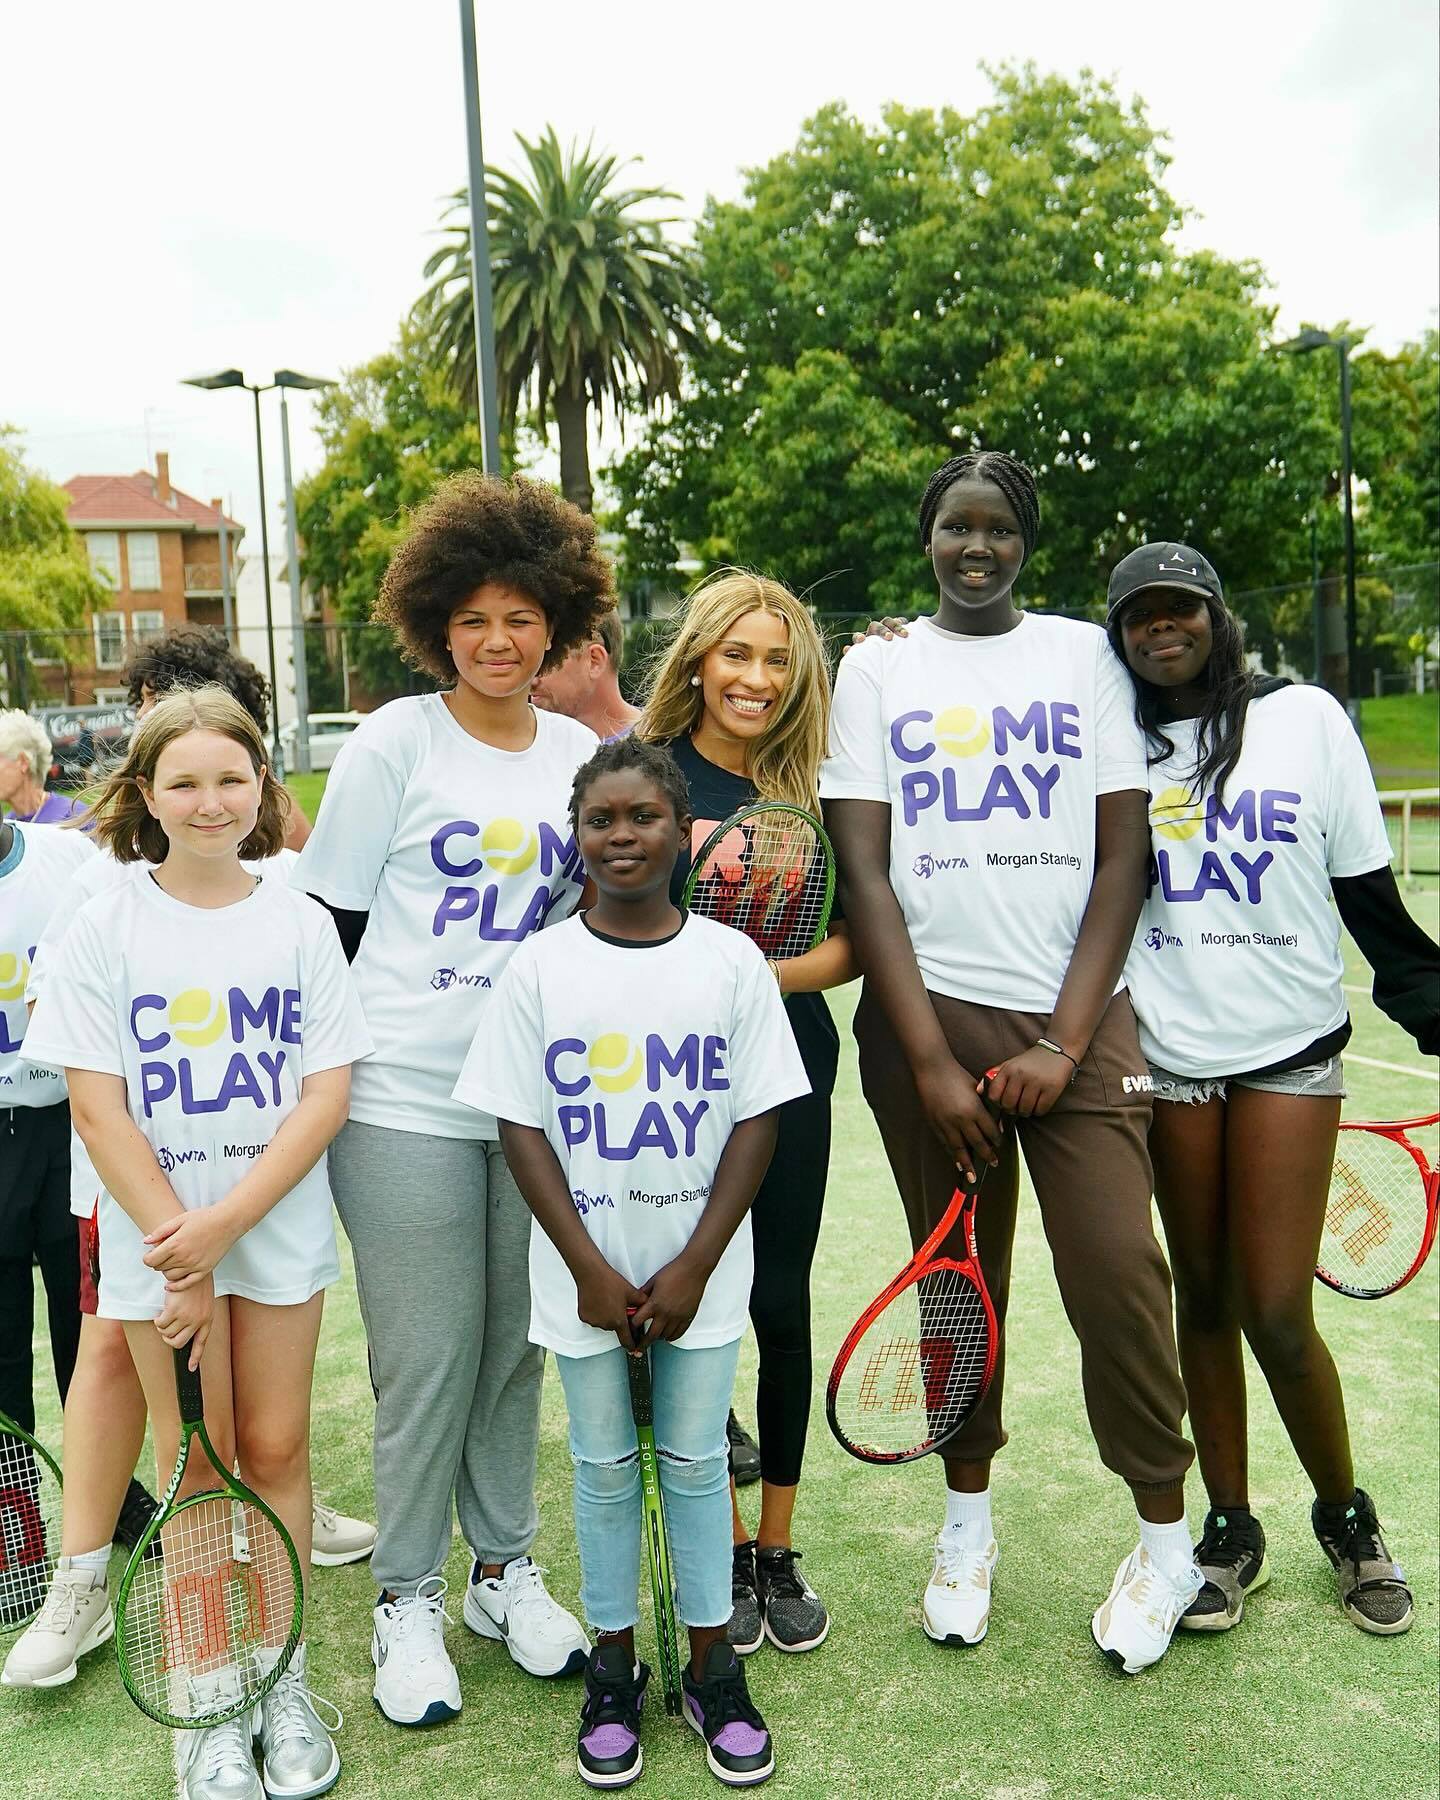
(166, 1030)
(1156, 939)
(622, 1095)
(926, 865)
(502, 867)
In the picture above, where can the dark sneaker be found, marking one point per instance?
(738, 1745)
(1372, 1586)
(608, 1754)
(744, 1453)
(747, 1619)
(1231, 1557)
(136, 1511)
(795, 1617)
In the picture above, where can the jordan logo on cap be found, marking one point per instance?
(1177, 568)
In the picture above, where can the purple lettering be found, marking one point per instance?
(901, 748)
(147, 1003)
(157, 1083)
(272, 1062)
(683, 1061)
(1218, 816)
(456, 903)
(1007, 726)
(690, 1117)
(7, 1043)
(1273, 816)
(652, 1132)
(439, 847)
(557, 852)
(565, 1047)
(1211, 879)
(713, 1076)
(264, 1013)
(1043, 781)
(1065, 728)
(574, 1123)
(290, 1017)
(1252, 871)
(240, 1083)
(918, 792)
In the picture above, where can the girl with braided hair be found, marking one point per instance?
(985, 791)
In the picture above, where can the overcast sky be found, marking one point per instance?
(187, 187)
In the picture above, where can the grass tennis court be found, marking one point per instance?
(1296, 1701)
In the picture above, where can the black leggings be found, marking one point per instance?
(36, 1226)
(785, 1220)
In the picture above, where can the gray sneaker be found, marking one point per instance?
(75, 1619)
(299, 1754)
(795, 1617)
(1231, 1557)
(747, 1626)
(217, 1763)
(1372, 1585)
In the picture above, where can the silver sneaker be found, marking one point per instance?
(299, 1756)
(217, 1763)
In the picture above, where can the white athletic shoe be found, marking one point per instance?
(956, 1607)
(75, 1618)
(415, 1680)
(217, 1763)
(336, 1539)
(299, 1758)
(540, 1635)
(1135, 1625)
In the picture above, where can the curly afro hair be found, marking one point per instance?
(194, 656)
(476, 529)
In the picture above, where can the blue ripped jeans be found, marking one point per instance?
(692, 1399)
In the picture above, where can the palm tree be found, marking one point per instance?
(591, 303)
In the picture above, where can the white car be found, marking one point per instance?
(328, 731)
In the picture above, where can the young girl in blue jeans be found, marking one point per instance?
(635, 1056)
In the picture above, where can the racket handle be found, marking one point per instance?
(188, 1388)
(642, 1400)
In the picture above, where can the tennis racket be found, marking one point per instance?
(200, 1634)
(29, 1524)
(1380, 1217)
(768, 871)
(652, 1516)
(919, 1359)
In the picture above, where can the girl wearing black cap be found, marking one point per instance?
(1262, 807)
(986, 792)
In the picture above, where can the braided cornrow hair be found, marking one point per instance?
(1009, 474)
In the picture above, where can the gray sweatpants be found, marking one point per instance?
(441, 1238)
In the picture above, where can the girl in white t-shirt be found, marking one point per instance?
(636, 1057)
(1262, 807)
(207, 1022)
(444, 842)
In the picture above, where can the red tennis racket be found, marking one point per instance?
(1380, 1218)
(919, 1359)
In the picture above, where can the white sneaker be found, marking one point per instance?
(75, 1618)
(537, 1631)
(1135, 1625)
(217, 1763)
(336, 1539)
(415, 1680)
(956, 1606)
(300, 1760)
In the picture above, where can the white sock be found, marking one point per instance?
(95, 1563)
(1169, 1545)
(968, 1515)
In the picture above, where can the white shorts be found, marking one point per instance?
(282, 1261)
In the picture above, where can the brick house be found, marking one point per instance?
(159, 550)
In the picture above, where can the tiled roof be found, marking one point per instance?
(130, 500)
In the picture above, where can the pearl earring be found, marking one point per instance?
(694, 681)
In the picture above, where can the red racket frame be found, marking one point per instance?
(1395, 1130)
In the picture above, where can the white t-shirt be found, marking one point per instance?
(637, 1062)
(92, 877)
(213, 1018)
(458, 852)
(990, 753)
(31, 896)
(1236, 962)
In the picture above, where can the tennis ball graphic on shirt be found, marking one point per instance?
(13, 971)
(1174, 813)
(614, 1065)
(196, 1017)
(508, 847)
(960, 731)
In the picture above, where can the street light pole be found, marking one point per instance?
(297, 613)
(480, 294)
(278, 763)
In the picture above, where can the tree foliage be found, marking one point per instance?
(46, 585)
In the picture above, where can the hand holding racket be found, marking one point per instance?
(769, 871)
(1380, 1217)
(919, 1359)
(652, 1516)
(30, 1511)
(200, 1634)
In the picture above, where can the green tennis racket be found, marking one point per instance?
(652, 1514)
(30, 1506)
(202, 1633)
(768, 871)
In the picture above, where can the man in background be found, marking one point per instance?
(586, 685)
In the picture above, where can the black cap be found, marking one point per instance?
(1161, 565)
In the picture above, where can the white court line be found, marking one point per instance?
(1351, 989)
(1373, 1062)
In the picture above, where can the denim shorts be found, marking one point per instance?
(1318, 1081)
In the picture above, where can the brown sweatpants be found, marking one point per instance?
(1091, 1170)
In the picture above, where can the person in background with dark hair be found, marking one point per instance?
(1262, 807)
(191, 656)
(586, 685)
(985, 792)
(444, 840)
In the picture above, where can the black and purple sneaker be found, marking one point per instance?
(608, 1754)
(738, 1746)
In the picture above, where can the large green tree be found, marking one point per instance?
(45, 581)
(593, 305)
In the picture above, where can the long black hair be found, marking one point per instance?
(1229, 689)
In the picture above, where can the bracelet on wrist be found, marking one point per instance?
(1058, 1049)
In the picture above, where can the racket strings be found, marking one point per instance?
(920, 1369)
(1376, 1214)
(30, 1513)
(221, 1589)
(777, 890)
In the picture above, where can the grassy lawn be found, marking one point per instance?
(1402, 739)
(1294, 1702)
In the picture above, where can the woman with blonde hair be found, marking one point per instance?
(741, 699)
